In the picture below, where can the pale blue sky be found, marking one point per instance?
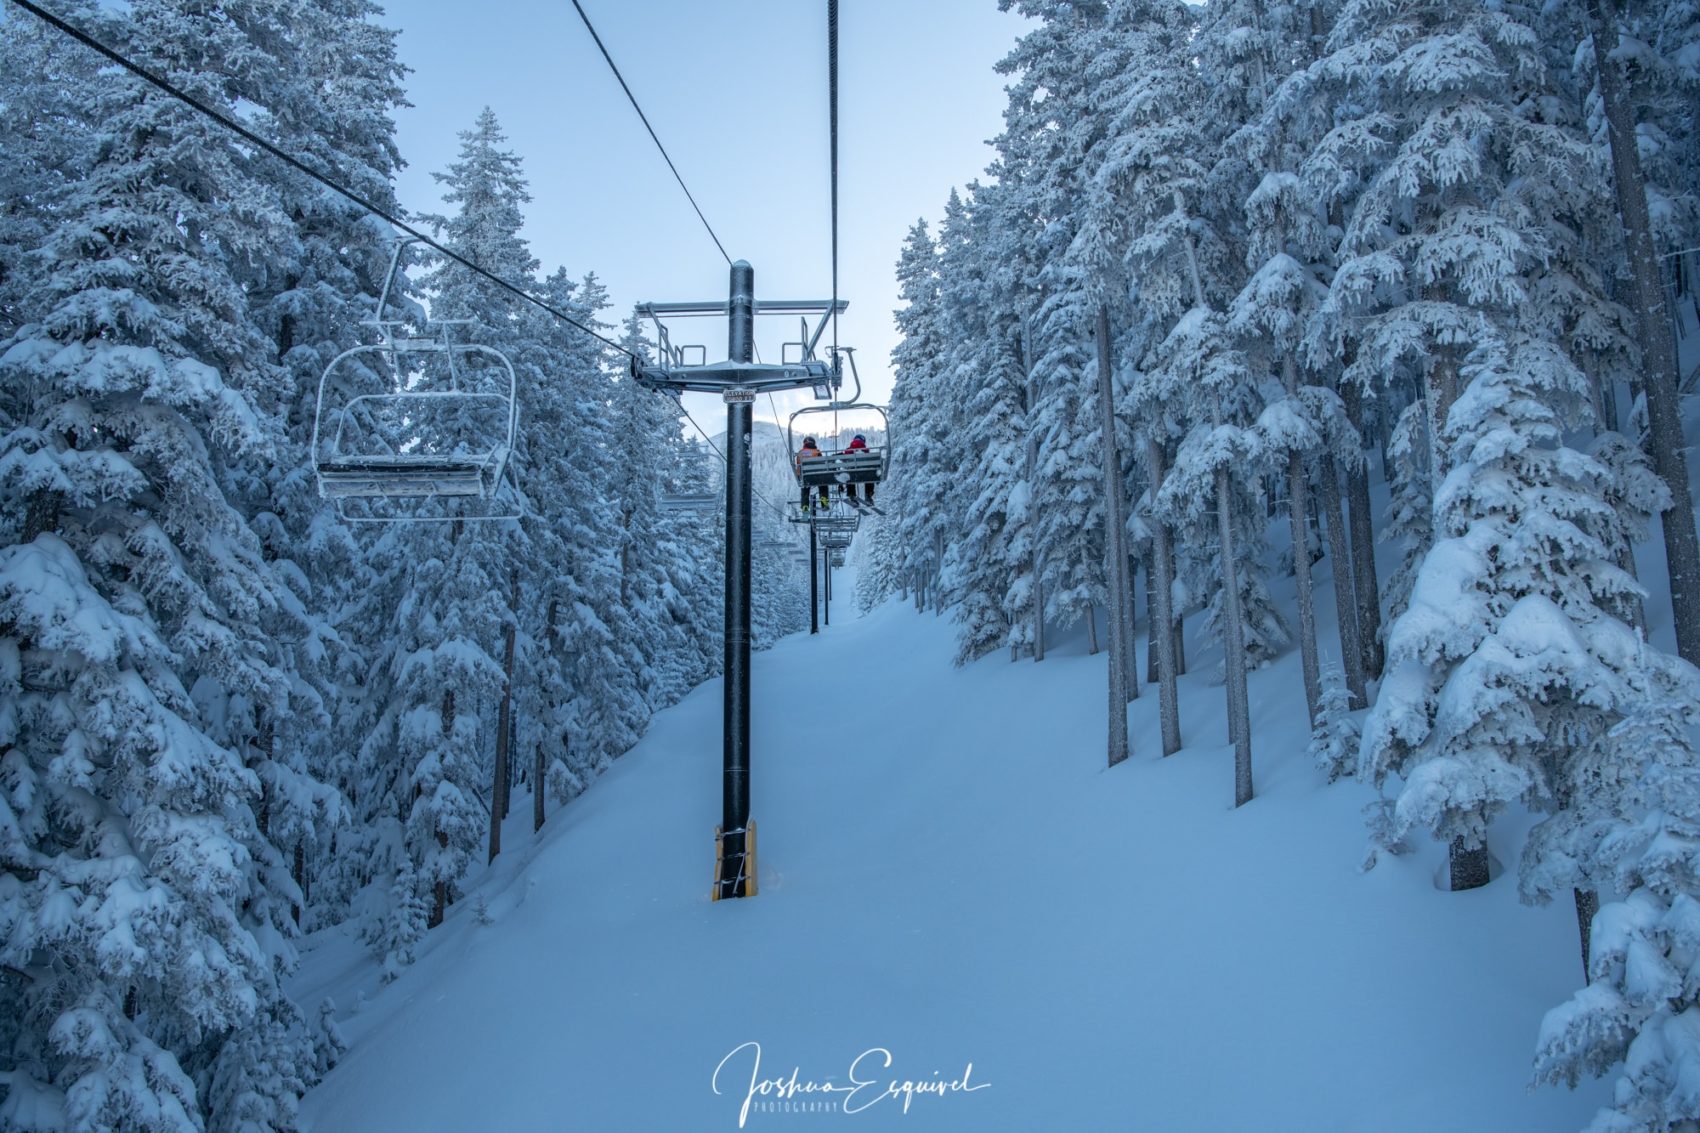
(737, 91)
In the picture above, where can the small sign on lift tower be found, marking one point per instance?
(743, 396)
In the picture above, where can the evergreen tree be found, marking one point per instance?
(1508, 656)
(1638, 1010)
(142, 613)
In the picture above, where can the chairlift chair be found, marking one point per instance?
(414, 418)
(689, 501)
(836, 531)
(841, 468)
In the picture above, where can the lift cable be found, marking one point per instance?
(632, 98)
(832, 117)
(295, 163)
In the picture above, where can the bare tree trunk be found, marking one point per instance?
(298, 870)
(1658, 366)
(1161, 577)
(499, 779)
(1180, 643)
(1038, 610)
(537, 773)
(938, 567)
(440, 889)
(1091, 629)
(1032, 398)
(1115, 550)
(1297, 489)
(1151, 624)
(1365, 586)
(1233, 646)
(1345, 606)
(1130, 642)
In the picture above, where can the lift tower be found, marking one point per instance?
(738, 380)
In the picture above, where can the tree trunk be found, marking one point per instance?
(1345, 605)
(1038, 611)
(1162, 575)
(1130, 665)
(1179, 645)
(1587, 904)
(1091, 629)
(938, 567)
(1151, 624)
(1031, 398)
(537, 774)
(298, 870)
(1233, 646)
(1469, 867)
(1658, 366)
(499, 785)
(1115, 553)
(1365, 586)
(1297, 489)
(440, 889)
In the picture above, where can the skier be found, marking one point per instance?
(858, 444)
(806, 452)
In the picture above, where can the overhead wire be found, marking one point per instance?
(832, 120)
(295, 163)
(380, 212)
(630, 97)
(608, 58)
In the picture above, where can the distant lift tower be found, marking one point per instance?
(738, 380)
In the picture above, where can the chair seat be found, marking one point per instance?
(404, 475)
(842, 468)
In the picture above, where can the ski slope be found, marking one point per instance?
(949, 873)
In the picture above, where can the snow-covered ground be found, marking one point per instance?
(950, 874)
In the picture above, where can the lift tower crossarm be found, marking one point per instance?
(718, 377)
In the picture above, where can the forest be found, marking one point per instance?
(1406, 272)
(1415, 273)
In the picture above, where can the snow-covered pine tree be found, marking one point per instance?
(1641, 1007)
(922, 459)
(595, 632)
(1334, 735)
(1270, 313)
(1452, 145)
(332, 99)
(984, 377)
(1410, 509)
(142, 613)
(437, 649)
(1508, 658)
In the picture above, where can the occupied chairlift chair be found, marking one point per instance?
(842, 468)
(407, 421)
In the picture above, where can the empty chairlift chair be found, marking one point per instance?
(416, 427)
